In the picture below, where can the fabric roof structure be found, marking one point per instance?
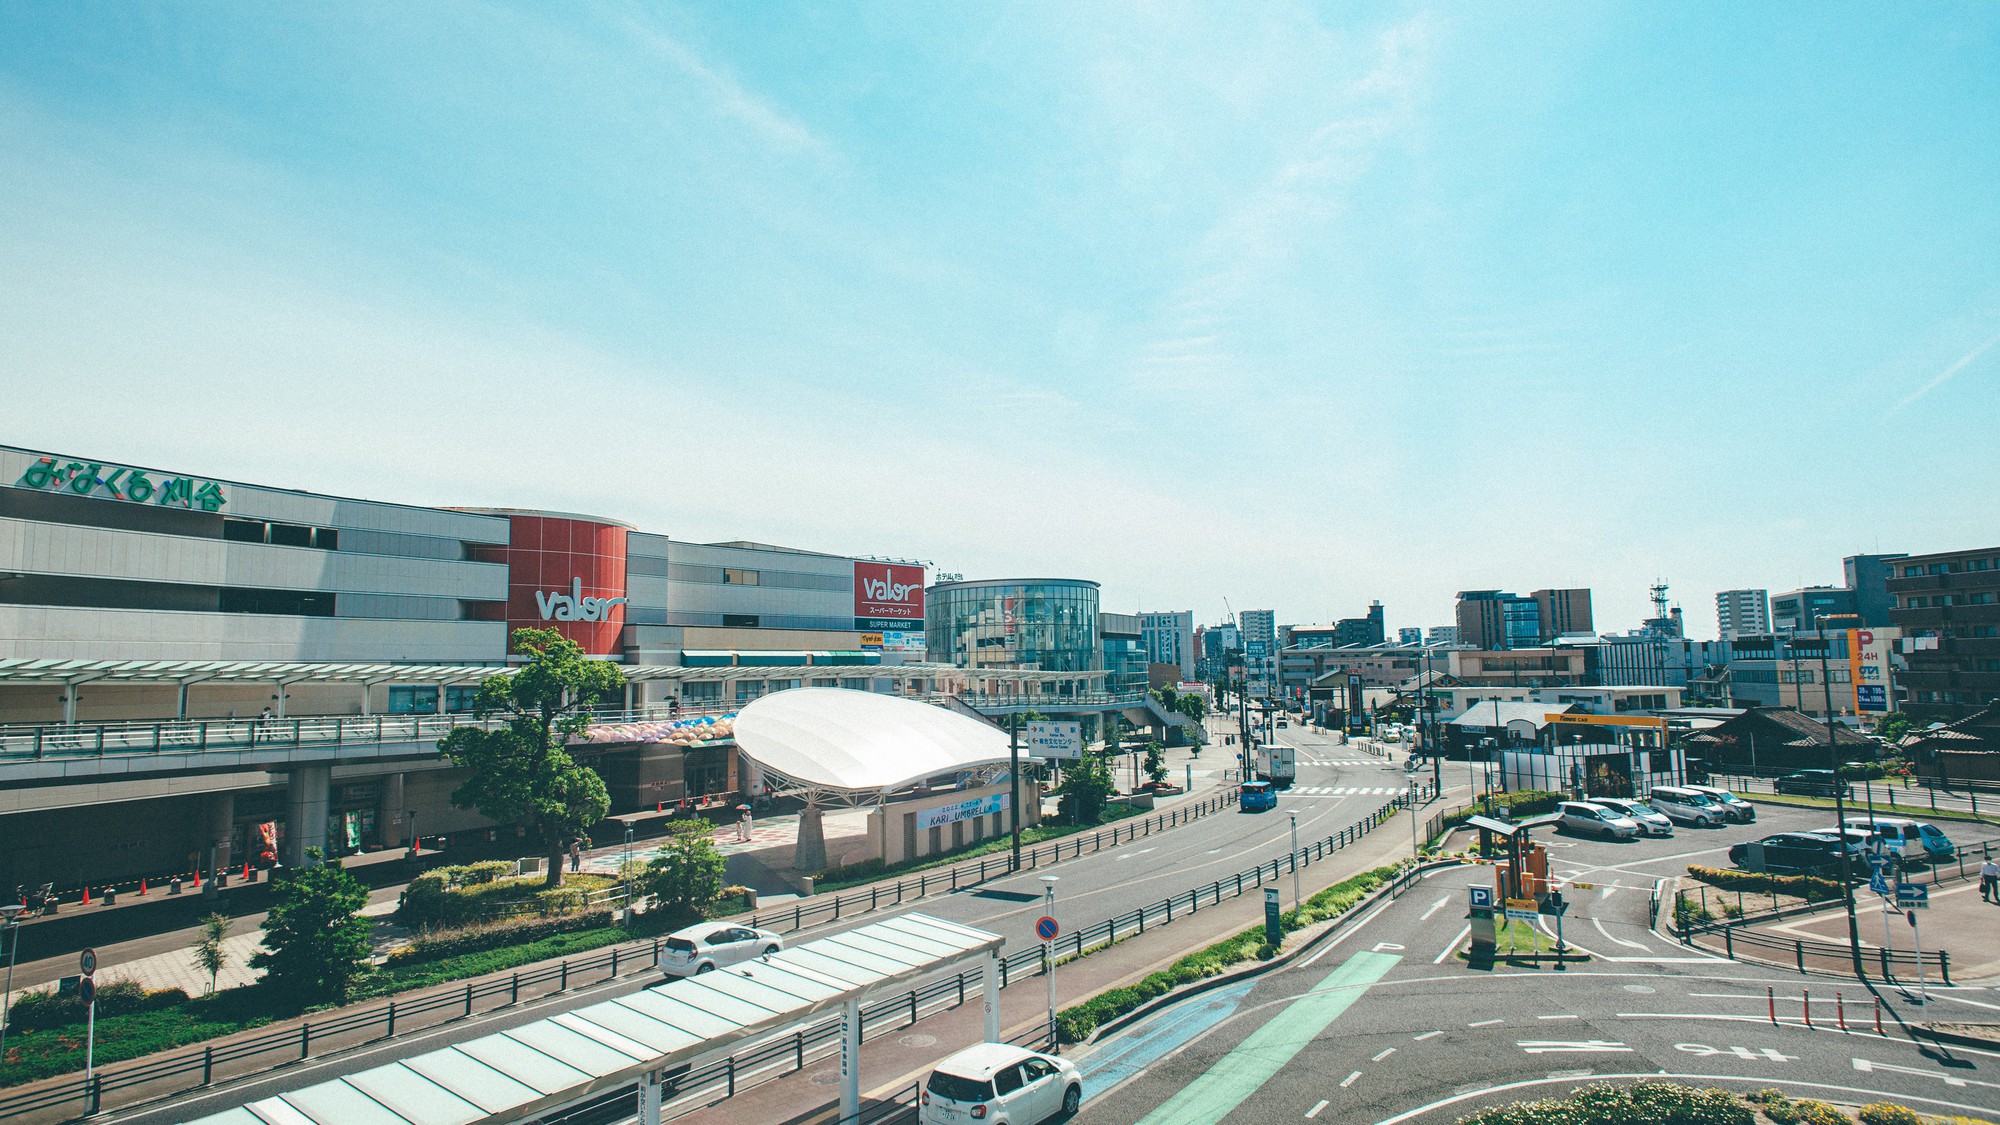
(1496, 713)
(857, 742)
(541, 1067)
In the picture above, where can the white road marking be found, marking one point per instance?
(1425, 1035)
(1599, 923)
(1386, 947)
(1435, 907)
(1948, 1079)
(1451, 946)
(1721, 996)
(1585, 1046)
(1859, 1095)
(1768, 1054)
(1349, 1080)
(1485, 1023)
(1137, 854)
(1314, 1111)
(1558, 1017)
(1385, 1053)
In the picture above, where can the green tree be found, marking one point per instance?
(688, 875)
(1156, 763)
(1193, 706)
(1085, 788)
(1892, 727)
(208, 953)
(315, 944)
(522, 773)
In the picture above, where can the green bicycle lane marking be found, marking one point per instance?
(1244, 1070)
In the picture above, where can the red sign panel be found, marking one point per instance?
(888, 590)
(567, 575)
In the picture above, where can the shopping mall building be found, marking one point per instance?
(190, 664)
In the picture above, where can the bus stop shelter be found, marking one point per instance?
(548, 1065)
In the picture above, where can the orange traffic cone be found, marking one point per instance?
(142, 884)
(197, 878)
(246, 870)
(86, 896)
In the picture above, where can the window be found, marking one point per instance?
(702, 692)
(243, 531)
(459, 699)
(826, 683)
(290, 535)
(747, 690)
(413, 700)
(733, 577)
(1007, 1081)
(739, 621)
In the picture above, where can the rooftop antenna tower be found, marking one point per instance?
(1659, 596)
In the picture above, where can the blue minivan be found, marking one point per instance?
(1258, 796)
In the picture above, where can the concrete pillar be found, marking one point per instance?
(809, 855)
(649, 1098)
(989, 988)
(367, 702)
(306, 805)
(221, 822)
(394, 825)
(850, 1060)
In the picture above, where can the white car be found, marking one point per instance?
(1596, 819)
(712, 945)
(1651, 821)
(1687, 806)
(998, 1082)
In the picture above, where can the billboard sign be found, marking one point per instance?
(1053, 740)
(1868, 665)
(872, 642)
(964, 810)
(888, 591)
(903, 640)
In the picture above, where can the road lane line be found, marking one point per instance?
(1424, 1036)
(1558, 1017)
(1314, 1111)
(1258, 1058)
(1599, 923)
(1435, 907)
(1451, 947)
(1349, 1080)
(1860, 1095)
(1486, 1023)
(1383, 1054)
(1351, 930)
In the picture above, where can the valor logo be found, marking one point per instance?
(573, 606)
(888, 591)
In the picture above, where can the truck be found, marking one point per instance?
(1277, 763)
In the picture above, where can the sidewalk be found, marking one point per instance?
(896, 1057)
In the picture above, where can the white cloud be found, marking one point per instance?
(1941, 378)
(727, 95)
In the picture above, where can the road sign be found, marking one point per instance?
(1052, 740)
(86, 990)
(1880, 885)
(1274, 929)
(1877, 861)
(1046, 928)
(1913, 896)
(1525, 909)
(88, 961)
(1482, 898)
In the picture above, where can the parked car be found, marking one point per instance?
(1736, 809)
(1913, 840)
(1813, 783)
(1596, 820)
(1651, 821)
(1258, 796)
(1687, 806)
(1000, 1083)
(1793, 853)
(713, 945)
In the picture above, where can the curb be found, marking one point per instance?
(1248, 972)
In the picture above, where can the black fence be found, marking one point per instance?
(195, 1068)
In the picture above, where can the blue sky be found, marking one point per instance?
(1297, 305)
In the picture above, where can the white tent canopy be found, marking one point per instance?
(858, 742)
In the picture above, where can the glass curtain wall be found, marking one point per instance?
(1050, 624)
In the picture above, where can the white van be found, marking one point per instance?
(1915, 841)
(1735, 808)
(1687, 806)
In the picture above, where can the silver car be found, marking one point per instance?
(1651, 821)
(1596, 819)
(713, 945)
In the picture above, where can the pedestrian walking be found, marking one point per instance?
(1989, 880)
(575, 856)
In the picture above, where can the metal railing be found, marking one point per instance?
(195, 1068)
(1811, 956)
(1051, 703)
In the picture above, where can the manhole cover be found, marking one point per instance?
(825, 1077)
(918, 1040)
(1638, 988)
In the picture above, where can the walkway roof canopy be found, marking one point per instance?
(37, 671)
(538, 1068)
(832, 739)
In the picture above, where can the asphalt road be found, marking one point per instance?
(1336, 787)
(1387, 1025)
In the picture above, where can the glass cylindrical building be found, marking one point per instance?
(1046, 623)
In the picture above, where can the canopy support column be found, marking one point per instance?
(989, 987)
(649, 1098)
(850, 1060)
(809, 854)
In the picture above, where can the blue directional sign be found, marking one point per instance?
(1913, 896)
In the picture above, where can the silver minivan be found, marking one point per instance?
(1735, 808)
(1687, 806)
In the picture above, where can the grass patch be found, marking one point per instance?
(1074, 1024)
(394, 978)
(861, 874)
(1518, 939)
(34, 1055)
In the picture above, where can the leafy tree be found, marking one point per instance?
(315, 944)
(208, 954)
(1892, 727)
(1156, 763)
(1085, 788)
(1193, 706)
(522, 773)
(689, 874)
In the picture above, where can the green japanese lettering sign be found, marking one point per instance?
(116, 482)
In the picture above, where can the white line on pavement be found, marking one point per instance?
(1383, 1054)
(1583, 1046)
(1349, 1080)
(1558, 1017)
(1485, 1023)
(1435, 907)
(1425, 1035)
(1599, 923)
(1314, 1111)
(1451, 947)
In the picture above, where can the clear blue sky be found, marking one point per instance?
(1296, 305)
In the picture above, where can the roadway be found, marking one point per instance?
(1337, 787)
(1388, 1024)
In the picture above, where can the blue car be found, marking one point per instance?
(1258, 796)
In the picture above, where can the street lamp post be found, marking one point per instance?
(1049, 949)
(1014, 783)
(10, 921)
(1295, 860)
(1839, 803)
(625, 868)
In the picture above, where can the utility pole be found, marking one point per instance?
(1425, 717)
(1839, 803)
(1014, 782)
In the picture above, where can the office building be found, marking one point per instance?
(1169, 639)
(1360, 630)
(1260, 652)
(1948, 611)
(1441, 635)
(1495, 619)
(1741, 613)
(1045, 623)
(1122, 641)
(1409, 636)
(1868, 576)
(1801, 610)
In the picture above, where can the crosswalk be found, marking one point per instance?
(1345, 790)
(1344, 762)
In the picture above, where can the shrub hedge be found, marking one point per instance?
(1642, 1103)
(1812, 888)
(1887, 1113)
(33, 1011)
(1075, 1024)
(439, 944)
(453, 897)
